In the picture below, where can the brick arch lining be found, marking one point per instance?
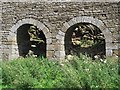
(13, 32)
(94, 21)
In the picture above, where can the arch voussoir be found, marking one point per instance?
(13, 32)
(91, 20)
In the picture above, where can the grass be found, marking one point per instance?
(78, 72)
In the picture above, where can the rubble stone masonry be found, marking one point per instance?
(54, 18)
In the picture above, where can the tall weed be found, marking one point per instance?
(78, 72)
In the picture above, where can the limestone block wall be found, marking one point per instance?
(54, 18)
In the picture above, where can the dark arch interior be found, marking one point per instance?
(84, 38)
(27, 47)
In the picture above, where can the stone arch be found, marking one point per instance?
(86, 19)
(13, 32)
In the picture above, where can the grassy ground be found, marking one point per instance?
(77, 72)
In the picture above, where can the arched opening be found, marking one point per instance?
(85, 38)
(31, 41)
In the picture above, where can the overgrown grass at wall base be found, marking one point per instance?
(93, 74)
(31, 72)
(77, 72)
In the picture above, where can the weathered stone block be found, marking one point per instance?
(49, 41)
(59, 37)
(48, 35)
(60, 54)
(50, 54)
(61, 33)
(59, 47)
(61, 42)
(50, 47)
(111, 46)
(109, 52)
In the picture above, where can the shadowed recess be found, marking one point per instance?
(85, 38)
(31, 41)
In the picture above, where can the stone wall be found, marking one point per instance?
(0, 30)
(54, 18)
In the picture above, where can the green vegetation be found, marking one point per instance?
(78, 72)
(86, 43)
